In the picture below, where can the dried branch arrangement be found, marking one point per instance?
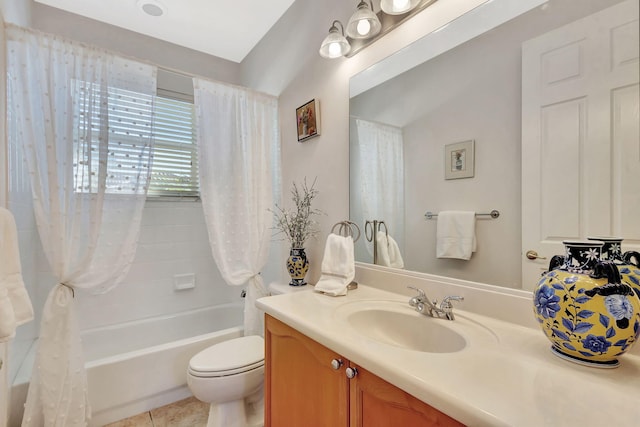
(298, 224)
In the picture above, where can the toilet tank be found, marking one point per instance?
(277, 288)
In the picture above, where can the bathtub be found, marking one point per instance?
(136, 366)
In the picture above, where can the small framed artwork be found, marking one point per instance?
(308, 120)
(459, 160)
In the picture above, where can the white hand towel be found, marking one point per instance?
(388, 251)
(338, 266)
(15, 305)
(456, 235)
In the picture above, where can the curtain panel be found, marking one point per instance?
(378, 174)
(89, 186)
(238, 145)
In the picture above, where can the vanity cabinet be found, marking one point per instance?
(301, 387)
(306, 385)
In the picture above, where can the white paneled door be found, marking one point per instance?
(580, 135)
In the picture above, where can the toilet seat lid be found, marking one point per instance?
(235, 355)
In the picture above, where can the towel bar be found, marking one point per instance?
(371, 228)
(346, 229)
(493, 214)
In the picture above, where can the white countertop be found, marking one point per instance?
(505, 377)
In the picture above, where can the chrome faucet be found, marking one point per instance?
(424, 305)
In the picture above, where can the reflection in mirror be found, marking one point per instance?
(385, 249)
(479, 90)
(377, 172)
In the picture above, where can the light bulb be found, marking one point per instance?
(400, 5)
(334, 49)
(363, 27)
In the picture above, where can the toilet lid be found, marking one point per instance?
(229, 357)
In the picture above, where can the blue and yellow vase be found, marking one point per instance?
(589, 316)
(297, 266)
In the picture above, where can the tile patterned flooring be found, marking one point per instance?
(189, 412)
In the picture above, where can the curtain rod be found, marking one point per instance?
(493, 214)
(196, 76)
(8, 25)
(351, 116)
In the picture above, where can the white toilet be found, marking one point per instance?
(230, 376)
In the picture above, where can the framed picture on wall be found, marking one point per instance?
(308, 120)
(459, 159)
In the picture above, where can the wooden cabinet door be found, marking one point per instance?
(376, 403)
(301, 387)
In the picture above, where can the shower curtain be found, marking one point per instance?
(378, 172)
(84, 118)
(238, 147)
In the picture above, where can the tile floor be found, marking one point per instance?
(189, 412)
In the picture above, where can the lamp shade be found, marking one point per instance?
(335, 44)
(398, 7)
(364, 23)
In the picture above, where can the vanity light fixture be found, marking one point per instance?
(366, 26)
(335, 44)
(398, 7)
(364, 23)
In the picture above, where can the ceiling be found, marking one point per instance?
(223, 28)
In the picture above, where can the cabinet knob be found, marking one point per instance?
(336, 363)
(351, 372)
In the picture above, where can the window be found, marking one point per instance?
(127, 128)
(175, 155)
(174, 170)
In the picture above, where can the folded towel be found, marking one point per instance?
(15, 305)
(338, 266)
(456, 235)
(388, 251)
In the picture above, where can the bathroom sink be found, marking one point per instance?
(395, 323)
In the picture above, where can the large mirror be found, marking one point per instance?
(509, 92)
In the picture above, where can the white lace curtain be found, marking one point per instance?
(72, 109)
(378, 178)
(238, 146)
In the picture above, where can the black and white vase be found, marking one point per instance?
(628, 263)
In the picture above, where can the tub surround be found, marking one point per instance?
(146, 379)
(136, 366)
(510, 379)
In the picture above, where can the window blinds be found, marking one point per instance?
(125, 119)
(175, 157)
(133, 119)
